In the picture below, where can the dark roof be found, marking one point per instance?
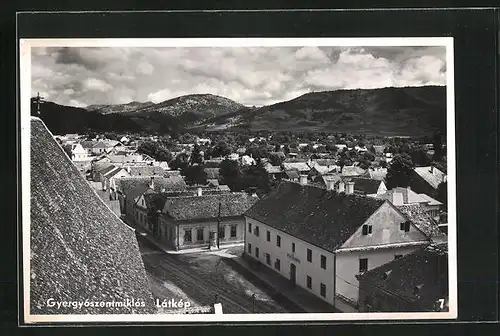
(292, 174)
(80, 250)
(326, 162)
(365, 185)
(145, 170)
(212, 173)
(207, 206)
(408, 196)
(420, 278)
(101, 166)
(108, 170)
(173, 183)
(425, 223)
(323, 218)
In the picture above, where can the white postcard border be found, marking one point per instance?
(25, 96)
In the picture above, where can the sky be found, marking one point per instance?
(253, 76)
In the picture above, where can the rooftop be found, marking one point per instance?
(207, 206)
(431, 175)
(80, 250)
(420, 278)
(323, 218)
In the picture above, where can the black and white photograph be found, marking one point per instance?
(238, 179)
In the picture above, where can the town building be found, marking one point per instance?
(321, 238)
(80, 251)
(129, 189)
(202, 220)
(76, 152)
(367, 186)
(417, 282)
(400, 196)
(426, 180)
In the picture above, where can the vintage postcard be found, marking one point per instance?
(238, 179)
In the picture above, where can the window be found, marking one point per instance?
(397, 256)
(363, 265)
(250, 227)
(309, 255)
(222, 232)
(257, 252)
(277, 264)
(256, 231)
(293, 247)
(268, 236)
(322, 290)
(405, 226)
(366, 229)
(323, 262)
(233, 231)
(187, 236)
(309, 282)
(268, 259)
(199, 235)
(250, 248)
(278, 241)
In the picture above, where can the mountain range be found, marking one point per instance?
(385, 111)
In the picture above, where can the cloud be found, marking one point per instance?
(251, 76)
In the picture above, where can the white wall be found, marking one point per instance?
(348, 267)
(303, 268)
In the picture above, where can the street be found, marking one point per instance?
(202, 278)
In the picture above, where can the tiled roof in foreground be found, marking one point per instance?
(80, 250)
(419, 278)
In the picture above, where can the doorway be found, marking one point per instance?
(293, 274)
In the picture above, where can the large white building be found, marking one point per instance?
(321, 239)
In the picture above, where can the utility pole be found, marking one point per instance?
(218, 227)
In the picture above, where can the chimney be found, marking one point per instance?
(253, 192)
(199, 191)
(163, 189)
(350, 188)
(444, 179)
(397, 199)
(330, 185)
(341, 187)
(152, 183)
(303, 179)
(432, 170)
(128, 169)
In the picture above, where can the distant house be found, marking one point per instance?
(352, 171)
(247, 160)
(426, 180)
(301, 167)
(366, 186)
(104, 146)
(79, 249)
(292, 174)
(130, 188)
(406, 196)
(379, 150)
(201, 220)
(417, 282)
(377, 173)
(76, 152)
(98, 168)
(317, 171)
(144, 170)
(275, 172)
(109, 180)
(320, 239)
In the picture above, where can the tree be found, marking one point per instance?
(181, 161)
(163, 155)
(400, 171)
(276, 159)
(230, 174)
(419, 157)
(221, 149)
(195, 175)
(256, 176)
(438, 147)
(196, 157)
